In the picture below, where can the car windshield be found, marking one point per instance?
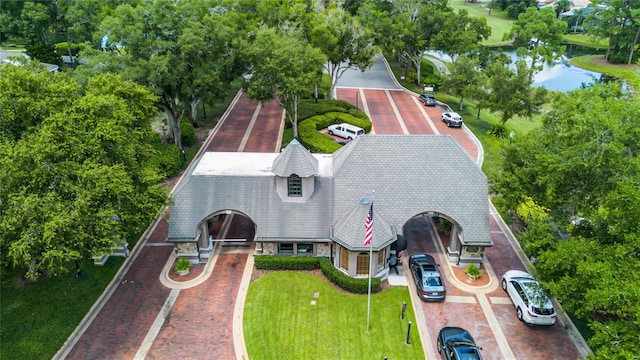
(432, 281)
(467, 353)
(536, 294)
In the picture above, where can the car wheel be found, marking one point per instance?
(330, 132)
(519, 313)
(448, 124)
(349, 138)
(504, 284)
(439, 347)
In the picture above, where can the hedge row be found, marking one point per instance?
(315, 141)
(345, 282)
(270, 262)
(309, 108)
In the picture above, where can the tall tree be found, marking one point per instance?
(284, 67)
(466, 78)
(345, 43)
(79, 181)
(537, 35)
(468, 32)
(185, 57)
(509, 92)
(619, 21)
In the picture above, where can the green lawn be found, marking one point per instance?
(585, 40)
(37, 318)
(498, 21)
(589, 62)
(281, 323)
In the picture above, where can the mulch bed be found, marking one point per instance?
(459, 273)
(194, 272)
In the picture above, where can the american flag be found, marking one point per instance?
(368, 226)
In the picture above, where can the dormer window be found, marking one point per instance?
(294, 186)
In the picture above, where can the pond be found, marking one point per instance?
(562, 76)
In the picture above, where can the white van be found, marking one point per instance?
(346, 131)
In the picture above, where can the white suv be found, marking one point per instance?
(346, 131)
(532, 304)
(452, 119)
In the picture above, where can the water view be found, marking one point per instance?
(562, 77)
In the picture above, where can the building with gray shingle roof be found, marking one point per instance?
(303, 203)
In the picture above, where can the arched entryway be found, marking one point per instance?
(433, 232)
(225, 227)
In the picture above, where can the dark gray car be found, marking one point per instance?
(426, 274)
(428, 99)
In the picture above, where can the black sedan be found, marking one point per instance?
(457, 343)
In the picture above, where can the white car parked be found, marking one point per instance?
(452, 119)
(532, 304)
(346, 131)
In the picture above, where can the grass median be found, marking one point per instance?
(280, 321)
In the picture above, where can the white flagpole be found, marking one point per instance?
(370, 263)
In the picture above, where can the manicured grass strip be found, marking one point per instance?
(591, 62)
(37, 318)
(281, 323)
(585, 40)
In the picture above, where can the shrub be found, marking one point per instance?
(309, 108)
(270, 262)
(473, 271)
(168, 160)
(345, 282)
(182, 265)
(314, 141)
(498, 131)
(188, 133)
(61, 48)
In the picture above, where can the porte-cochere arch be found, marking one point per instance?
(416, 174)
(444, 234)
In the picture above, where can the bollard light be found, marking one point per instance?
(409, 333)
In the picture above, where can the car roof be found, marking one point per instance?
(423, 258)
(456, 335)
(453, 113)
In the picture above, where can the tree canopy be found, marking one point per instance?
(583, 168)
(77, 179)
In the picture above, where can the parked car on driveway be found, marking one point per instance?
(428, 99)
(346, 131)
(426, 274)
(457, 343)
(452, 119)
(532, 304)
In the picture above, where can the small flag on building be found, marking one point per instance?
(368, 226)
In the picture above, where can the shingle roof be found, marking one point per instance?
(349, 230)
(295, 159)
(411, 175)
